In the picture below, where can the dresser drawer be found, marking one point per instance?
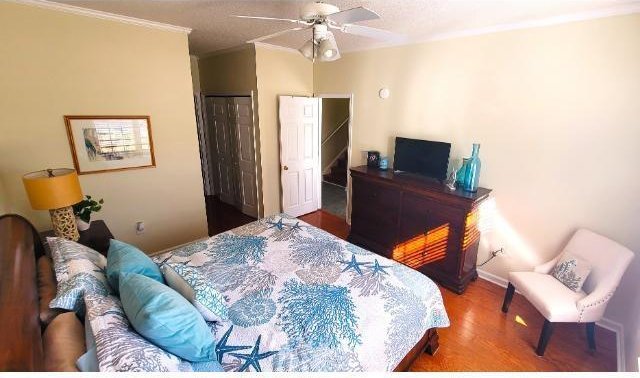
(377, 201)
(375, 211)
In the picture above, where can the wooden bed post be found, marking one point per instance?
(427, 344)
(432, 342)
(21, 340)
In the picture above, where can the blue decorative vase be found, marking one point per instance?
(472, 173)
(460, 174)
(384, 163)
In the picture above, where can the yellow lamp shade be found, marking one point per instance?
(52, 188)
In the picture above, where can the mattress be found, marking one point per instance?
(301, 299)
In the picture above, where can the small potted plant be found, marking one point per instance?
(83, 210)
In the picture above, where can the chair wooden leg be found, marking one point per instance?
(591, 335)
(508, 296)
(545, 335)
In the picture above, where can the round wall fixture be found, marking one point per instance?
(383, 93)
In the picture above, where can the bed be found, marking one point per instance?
(300, 299)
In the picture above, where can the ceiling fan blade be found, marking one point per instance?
(353, 15)
(270, 19)
(374, 33)
(260, 39)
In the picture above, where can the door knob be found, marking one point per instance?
(285, 168)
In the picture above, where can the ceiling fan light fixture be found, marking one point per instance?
(307, 50)
(328, 49)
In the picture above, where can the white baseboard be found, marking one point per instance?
(618, 329)
(492, 278)
(605, 323)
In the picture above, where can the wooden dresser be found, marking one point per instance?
(417, 222)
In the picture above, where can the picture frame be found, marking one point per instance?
(110, 143)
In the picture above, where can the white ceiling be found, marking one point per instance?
(214, 29)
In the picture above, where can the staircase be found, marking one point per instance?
(338, 171)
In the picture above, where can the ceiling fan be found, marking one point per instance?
(321, 18)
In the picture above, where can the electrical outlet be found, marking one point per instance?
(139, 228)
(498, 252)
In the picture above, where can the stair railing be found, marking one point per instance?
(334, 132)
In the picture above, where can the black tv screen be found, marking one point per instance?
(422, 157)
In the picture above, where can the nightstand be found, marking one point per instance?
(97, 237)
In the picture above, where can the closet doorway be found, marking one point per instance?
(230, 172)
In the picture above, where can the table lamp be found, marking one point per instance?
(56, 190)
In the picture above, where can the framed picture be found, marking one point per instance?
(110, 143)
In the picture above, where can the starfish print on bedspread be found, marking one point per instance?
(279, 224)
(354, 264)
(377, 268)
(253, 359)
(222, 347)
(287, 232)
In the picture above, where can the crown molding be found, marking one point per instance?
(102, 15)
(619, 10)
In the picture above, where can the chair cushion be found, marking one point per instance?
(165, 318)
(572, 271)
(125, 258)
(555, 301)
(63, 342)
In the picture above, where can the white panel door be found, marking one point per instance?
(299, 154)
(241, 116)
(224, 145)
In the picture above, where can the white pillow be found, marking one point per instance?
(119, 347)
(196, 289)
(572, 271)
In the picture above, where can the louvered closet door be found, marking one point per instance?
(242, 114)
(224, 147)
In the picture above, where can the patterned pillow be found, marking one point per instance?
(79, 270)
(198, 290)
(572, 271)
(121, 349)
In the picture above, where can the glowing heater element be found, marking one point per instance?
(424, 248)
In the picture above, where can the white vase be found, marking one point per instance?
(82, 225)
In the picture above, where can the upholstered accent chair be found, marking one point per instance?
(559, 304)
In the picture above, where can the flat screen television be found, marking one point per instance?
(422, 157)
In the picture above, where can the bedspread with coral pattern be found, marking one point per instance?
(301, 299)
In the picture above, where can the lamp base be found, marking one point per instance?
(64, 223)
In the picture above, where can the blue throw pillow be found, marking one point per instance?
(125, 258)
(165, 318)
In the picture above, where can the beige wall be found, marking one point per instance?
(4, 201)
(556, 111)
(233, 72)
(279, 73)
(56, 63)
(334, 112)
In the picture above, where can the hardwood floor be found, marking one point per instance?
(222, 217)
(482, 338)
